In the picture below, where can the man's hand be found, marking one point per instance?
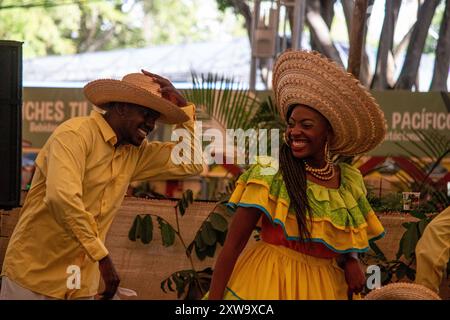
(354, 276)
(167, 89)
(110, 278)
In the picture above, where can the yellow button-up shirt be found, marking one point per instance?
(433, 251)
(78, 186)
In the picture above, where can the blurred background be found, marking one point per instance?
(398, 49)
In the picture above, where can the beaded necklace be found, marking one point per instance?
(326, 173)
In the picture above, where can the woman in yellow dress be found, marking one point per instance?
(314, 214)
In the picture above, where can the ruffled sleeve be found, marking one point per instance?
(341, 219)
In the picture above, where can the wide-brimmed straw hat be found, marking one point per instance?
(308, 78)
(135, 88)
(402, 291)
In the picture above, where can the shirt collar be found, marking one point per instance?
(106, 130)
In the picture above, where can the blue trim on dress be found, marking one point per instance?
(293, 238)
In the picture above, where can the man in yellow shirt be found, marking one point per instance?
(433, 251)
(82, 173)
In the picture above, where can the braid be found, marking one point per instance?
(294, 176)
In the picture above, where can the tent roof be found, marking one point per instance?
(175, 62)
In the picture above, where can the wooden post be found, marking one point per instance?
(253, 69)
(357, 37)
(357, 40)
(299, 21)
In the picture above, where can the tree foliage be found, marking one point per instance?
(432, 19)
(56, 27)
(92, 25)
(48, 29)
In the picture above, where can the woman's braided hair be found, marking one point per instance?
(294, 176)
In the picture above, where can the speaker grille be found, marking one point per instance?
(10, 123)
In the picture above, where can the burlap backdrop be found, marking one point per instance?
(143, 267)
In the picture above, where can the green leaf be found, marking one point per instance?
(147, 229)
(231, 107)
(169, 284)
(135, 230)
(180, 283)
(193, 292)
(422, 225)
(207, 270)
(377, 251)
(201, 254)
(417, 214)
(386, 277)
(218, 222)
(167, 233)
(400, 272)
(189, 196)
(406, 225)
(208, 234)
(221, 236)
(411, 273)
(230, 211)
(199, 242)
(186, 199)
(163, 285)
(210, 250)
(400, 247)
(410, 240)
(181, 206)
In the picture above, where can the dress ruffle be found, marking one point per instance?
(342, 218)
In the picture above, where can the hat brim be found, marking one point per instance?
(100, 92)
(402, 291)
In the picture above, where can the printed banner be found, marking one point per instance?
(406, 113)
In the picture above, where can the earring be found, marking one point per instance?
(327, 153)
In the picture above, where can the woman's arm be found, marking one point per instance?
(241, 228)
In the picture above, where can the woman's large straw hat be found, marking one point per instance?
(308, 78)
(402, 291)
(134, 88)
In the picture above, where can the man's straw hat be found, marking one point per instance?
(302, 77)
(134, 88)
(402, 291)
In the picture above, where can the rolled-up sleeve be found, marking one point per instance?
(64, 192)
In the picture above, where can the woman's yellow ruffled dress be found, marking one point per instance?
(342, 221)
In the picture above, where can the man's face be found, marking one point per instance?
(138, 122)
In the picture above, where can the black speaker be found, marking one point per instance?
(10, 123)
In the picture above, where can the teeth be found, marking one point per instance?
(298, 143)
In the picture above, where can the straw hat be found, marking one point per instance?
(302, 77)
(402, 291)
(134, 88)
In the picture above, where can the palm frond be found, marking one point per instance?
(229, 104)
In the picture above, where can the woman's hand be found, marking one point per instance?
(354, 276)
